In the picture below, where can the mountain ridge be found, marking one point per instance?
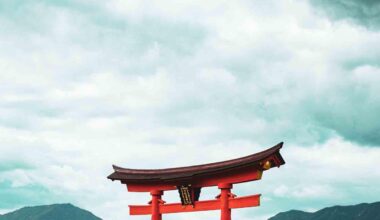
(362, 211)
(63, 211)
(67, 211)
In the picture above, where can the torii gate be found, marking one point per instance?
(189, 181)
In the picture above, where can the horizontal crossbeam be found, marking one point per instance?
(234, 203)
(240, 176)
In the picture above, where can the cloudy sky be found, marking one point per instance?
(150, 84)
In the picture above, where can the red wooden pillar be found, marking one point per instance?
(224, 200)
(155, 203)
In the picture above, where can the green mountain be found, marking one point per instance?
(50, 212)
(364, 211)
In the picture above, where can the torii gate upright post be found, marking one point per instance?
(189, 181)
(156, 201)
(225, 195)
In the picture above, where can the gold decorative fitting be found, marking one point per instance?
(267, 165)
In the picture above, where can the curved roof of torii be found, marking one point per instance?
(187, 173)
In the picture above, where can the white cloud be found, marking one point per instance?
(214, 79)
(317, 191)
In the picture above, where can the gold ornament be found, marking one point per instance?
(267, 165)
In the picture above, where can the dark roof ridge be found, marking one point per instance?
(134, 174)
(174, 169)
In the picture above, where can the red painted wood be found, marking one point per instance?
(149, 187)
(225, 192)
(244, 201)
(155, 204)
(243, 175)
(222, 174)
(234, 203)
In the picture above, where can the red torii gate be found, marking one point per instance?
(189, 181)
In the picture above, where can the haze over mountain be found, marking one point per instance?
(50, 212)
(364, 211)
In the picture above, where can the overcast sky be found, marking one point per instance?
(149, 84)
